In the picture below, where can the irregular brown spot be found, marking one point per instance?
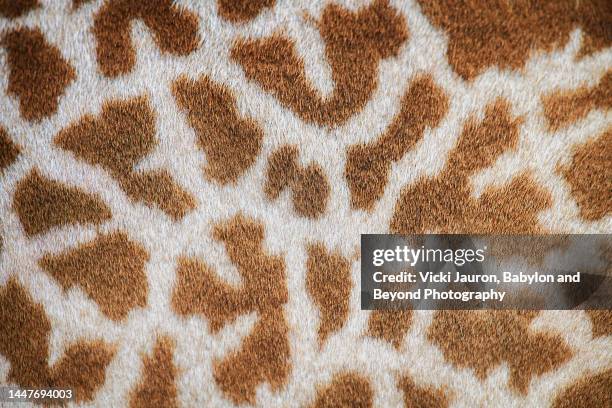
(17, 8)
(38, 73)
(156, 188)
(263, 357)
(416, 396)
(157, 387)
(78, 3)
(482, 340)
(592, 391)
(590, 177)
(594, 18)
(601, 321)
(8, 150)
(240, 11)
(390, 325)
(345, 390)
(231, 143)
(83, 369)
(263, 276)
(174, 30)
(210, 296)
(355, 43)
(24, 342)
(42, 204)
(309, 187)
(562, 108)
(367, 167)
(264, 354)
(328, 281)
(109, 269)
(483, 33)
(532, 249)
(444, 203)
(118, 139)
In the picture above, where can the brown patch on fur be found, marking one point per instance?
(174, 30)
(17, 8)
(157, 188)
(83, 369)
(231, 143)
(109, 269)
(444, 203)
(355, 43)
(38, 73)
(390, 325)
(24, 342)
(483, 33)
(590, 177)
(328, 281)
(309, 186)
(562, 108)
(416, 396)
(587, 392)
(482, 340)
(78, 3)
(118, 139)
(8, 150)
(531, 249)
(264, 354)
(367, 167)
(240, 11)
(157, 387)
(263, 357)
(42, 204)
(601, 321)
(345, 390)
(594, 20)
